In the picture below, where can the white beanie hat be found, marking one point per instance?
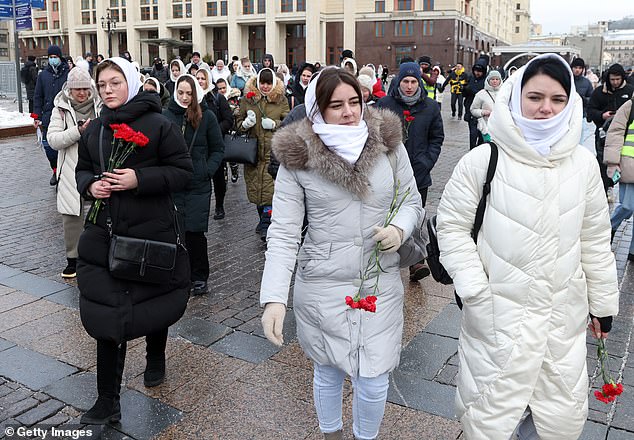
(78, 78)
(366, 82)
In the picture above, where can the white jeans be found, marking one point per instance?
(368, 403)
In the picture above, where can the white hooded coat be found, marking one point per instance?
(541, 264)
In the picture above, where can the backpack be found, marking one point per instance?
(25, 74)
(436, 268)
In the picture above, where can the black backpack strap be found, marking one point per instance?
(479, 217)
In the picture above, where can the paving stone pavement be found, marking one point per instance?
(224, 380)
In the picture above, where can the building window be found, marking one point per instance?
(4, 52)
(402, 52)
(212, 9)
(517, 18)
(55, 24)
(149, 9)
(379, 6)
(221, 34)
(4, 38)
(261, 6)
(258, 32)
(428, 5)
(177, 11)
(287, 6)
(85, 17)
(55, 6)
(428, 27)
(301, 6)
(517, 29)
(403, 5)
(223, 7)
(518, 6)
(248, 6)
(403, 28)
(42, 26)
(296, 31)
(379, 29)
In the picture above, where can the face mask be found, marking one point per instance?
(54, 61)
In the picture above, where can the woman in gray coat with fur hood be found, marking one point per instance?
(334, 166)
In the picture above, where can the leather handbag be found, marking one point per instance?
(138, 259)
(240, 148)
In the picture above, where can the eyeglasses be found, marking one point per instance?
(114, 86)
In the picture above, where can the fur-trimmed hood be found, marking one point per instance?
(276, 96)
(297, 147)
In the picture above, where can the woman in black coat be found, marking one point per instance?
(136, 198)
(201, 131)
(218, 104)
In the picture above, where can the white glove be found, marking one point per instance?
(390, 237)
(250, 120)
(268, 123)
(273, 322)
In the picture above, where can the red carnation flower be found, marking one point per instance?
(406, 113)
(34, 115)
(250, 95)
(611, 389)
(409, 118)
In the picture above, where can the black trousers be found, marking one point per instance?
(603, 168)
(111, 361)
(475, 137)
(198, 257)
(459, 99)
(423, 195)
(220, 185)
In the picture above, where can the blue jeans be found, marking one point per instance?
(368, 404)
(624, 209)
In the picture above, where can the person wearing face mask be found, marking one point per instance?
(542, 266)
(177, 68)
(76, 105)
(217, 103)
(159, 71)
(49, 83)
(262, 110)
(243, 74)
(483, 102)
(298, 89)
(188, 110)
(335, 169)
(137, 203)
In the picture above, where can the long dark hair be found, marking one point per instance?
(328, 80)
(193, 114)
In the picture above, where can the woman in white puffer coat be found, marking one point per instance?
(75, 106)
(541, 265)
(483, 102)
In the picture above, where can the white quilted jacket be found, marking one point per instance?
(542, 262)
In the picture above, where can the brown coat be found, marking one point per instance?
(259, 182)
(614, 143)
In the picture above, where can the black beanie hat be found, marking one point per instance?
(54, 50)
(578, 62)
(424, 59)
(346, 54)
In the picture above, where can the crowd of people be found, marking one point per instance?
(340, 185)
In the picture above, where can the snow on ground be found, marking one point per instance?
(11, 117)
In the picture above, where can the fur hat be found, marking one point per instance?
(366, 82)
(367, 70)
(79, 78)
(424, 59)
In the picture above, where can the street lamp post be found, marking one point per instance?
(109, 24)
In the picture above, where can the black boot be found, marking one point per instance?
(110, 363)
(71, 268)
(105, 410)
(258, 228)
(154, 374)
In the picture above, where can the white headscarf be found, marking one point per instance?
(154, 81)
(131, 76)
(199, 90)
(210, 83)
(257, 81)
(541, 134)
(180, 65)
(346, 141)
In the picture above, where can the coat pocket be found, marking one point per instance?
(313, 256)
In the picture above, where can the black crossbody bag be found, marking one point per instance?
(433, 252)
(139, 259)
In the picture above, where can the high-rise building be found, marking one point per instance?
(379, 31)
